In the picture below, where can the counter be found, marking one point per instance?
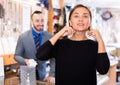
(11, 78)
(14, 80)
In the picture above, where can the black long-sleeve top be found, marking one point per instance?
(76, 61)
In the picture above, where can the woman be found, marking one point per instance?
(78, 57)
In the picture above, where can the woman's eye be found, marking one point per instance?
(86, 16)
(76, 16)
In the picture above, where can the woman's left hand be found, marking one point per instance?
(95, 34)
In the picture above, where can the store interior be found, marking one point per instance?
(15, 19)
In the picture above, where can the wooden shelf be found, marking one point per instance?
(8, 59)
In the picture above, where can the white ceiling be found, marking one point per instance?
(95, 3)
(101, 3)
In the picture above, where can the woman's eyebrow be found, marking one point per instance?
(83, 13)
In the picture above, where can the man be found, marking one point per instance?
(26, 47)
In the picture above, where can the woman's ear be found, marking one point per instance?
(70, 23)
(89, 26)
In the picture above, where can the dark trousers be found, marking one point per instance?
(37, 74)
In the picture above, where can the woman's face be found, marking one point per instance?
(80, 19)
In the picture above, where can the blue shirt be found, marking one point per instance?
(36, 34)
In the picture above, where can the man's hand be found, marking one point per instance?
(30, 62)
(49, 79)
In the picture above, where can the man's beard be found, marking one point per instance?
(38, 27)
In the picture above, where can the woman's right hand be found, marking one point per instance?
(66, 31)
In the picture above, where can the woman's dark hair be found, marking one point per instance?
(57, 27)
(78, 6)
